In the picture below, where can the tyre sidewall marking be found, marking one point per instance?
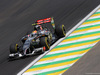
(63, 30)
(46, 42)
(16, 47)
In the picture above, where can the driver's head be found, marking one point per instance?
(38, 27)
(33, 33)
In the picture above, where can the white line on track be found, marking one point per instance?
(98, 10)
(72, 49)
(80, 40)
(68, 33)
(91, 24)
(95, 17)
(84, 32)
(59, 59)
(46, 70)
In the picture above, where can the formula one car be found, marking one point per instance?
(39, 40)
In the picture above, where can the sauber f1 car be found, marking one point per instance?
(39, 40)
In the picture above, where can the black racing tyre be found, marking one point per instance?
(44, 41)
(13, 48)
(60, 31)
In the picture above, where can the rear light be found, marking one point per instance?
(44, 48)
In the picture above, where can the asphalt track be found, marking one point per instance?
(89, 64)
(16, 17)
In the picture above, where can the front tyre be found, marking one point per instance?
(13, 48)
(60, 31)
(44, 41)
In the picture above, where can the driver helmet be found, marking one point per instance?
(33, 33)
(38, 27)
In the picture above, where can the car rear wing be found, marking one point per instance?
(46, 20)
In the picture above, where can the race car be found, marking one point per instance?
(39, 40)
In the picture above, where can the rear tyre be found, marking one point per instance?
(60, 31)
(44, 41)
(13, 48)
